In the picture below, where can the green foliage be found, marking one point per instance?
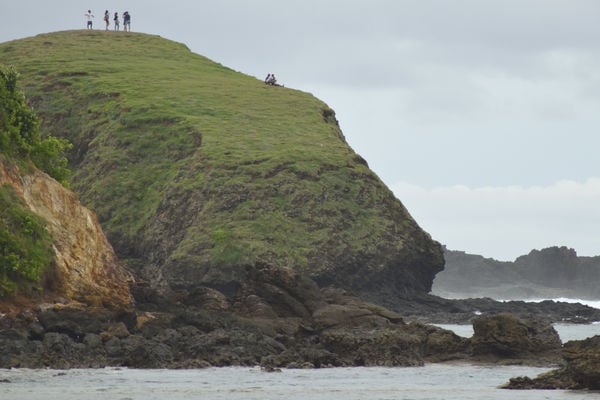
(25, 245)
(20, 135)
(18, 125)
(49, 156)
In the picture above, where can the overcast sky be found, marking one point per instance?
(481, 115)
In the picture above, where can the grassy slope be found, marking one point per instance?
(187, 162)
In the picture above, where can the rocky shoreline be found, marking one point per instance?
(279, 318)
(340, 331)
(337, 330)
(325, 328)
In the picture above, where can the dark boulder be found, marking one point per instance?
(75, 321)
(510, 339)
(581, 371)
(583, 362)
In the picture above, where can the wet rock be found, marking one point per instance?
(583, 362)
(520, 382)
(439, 344)
(74, 321)
(92, 340)
(13, 347)
(507, 338)
(141, 353)
(581, 371)
(113, 347)
(36, 331)
(382, 347)
(59, 351)
(270, 369)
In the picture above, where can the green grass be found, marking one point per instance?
(188, 161)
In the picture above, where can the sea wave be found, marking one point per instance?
(590, 303)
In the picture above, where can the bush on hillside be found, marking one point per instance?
(25, 244)
(20, 136)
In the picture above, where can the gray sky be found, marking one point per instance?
(481, 115)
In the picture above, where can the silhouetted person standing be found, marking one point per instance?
(116, 21)
(89, 16)
(126, 21)
(106, 17)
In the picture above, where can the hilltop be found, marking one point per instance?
(239, 207)
(198, 172)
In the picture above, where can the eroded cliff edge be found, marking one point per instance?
(85, 267)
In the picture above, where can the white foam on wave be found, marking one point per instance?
(590, 303)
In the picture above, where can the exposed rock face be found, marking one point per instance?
(278, 318)
(553, 267)
(582, 369)
(548, 273)
(508, 338)
(85, 268)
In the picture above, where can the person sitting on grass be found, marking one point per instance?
(271, 80)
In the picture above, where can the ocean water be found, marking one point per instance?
(434, 381)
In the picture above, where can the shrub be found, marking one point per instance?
(20, 135)
(25, 244)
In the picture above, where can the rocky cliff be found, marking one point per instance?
(85, 267)
(548, 273)
(197, 171)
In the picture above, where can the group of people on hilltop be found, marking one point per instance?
(116, 22)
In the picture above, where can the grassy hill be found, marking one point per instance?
(196, 170)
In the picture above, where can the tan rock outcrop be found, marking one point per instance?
(86, 267)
